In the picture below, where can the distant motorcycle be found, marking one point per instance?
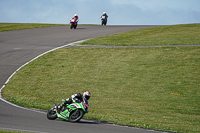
(103, 20)
(72, 112)
(73, 23)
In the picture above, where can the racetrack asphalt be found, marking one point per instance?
(19, 47)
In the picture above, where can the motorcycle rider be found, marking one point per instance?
(76, 17)
(106, 16)
(76, 97)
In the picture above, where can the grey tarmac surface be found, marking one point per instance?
(19, 47)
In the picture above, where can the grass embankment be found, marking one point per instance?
(162, 35)
(6, 131)
(156, 88)
(21, 26)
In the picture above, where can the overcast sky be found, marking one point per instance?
(120, 12)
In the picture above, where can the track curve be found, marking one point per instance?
(19, 47)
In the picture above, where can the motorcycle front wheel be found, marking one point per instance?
(51, 114)
(71, 26)
(103, 22)
(76, 115)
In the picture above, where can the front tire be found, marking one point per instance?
(103, 22)
(71, 26)
(51, 114)
(76, 115)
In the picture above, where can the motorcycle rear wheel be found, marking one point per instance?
(76, 115)
(51, 114)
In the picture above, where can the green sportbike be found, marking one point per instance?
(70, 112)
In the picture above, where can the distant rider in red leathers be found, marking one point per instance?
(76, 17)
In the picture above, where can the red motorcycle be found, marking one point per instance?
(73, 23)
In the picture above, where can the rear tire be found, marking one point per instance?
(51, 114)
(76, 115)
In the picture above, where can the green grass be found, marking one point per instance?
(162, 35)
(155, 88)
(21, 26)
(6, 131)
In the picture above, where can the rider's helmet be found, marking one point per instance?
(104, 13)
(86, 95)
(75, 15)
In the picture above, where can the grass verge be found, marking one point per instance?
(163, 35)
(21, 26)
(6, 131)
(155, 88)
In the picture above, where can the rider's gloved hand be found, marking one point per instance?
(78, 95)
(68, 101)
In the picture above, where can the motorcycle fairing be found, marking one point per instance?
(74, 106)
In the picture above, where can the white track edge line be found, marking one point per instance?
(2, 99)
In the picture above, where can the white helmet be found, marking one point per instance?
(104, 13)
(86, 95)
(75, 15)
